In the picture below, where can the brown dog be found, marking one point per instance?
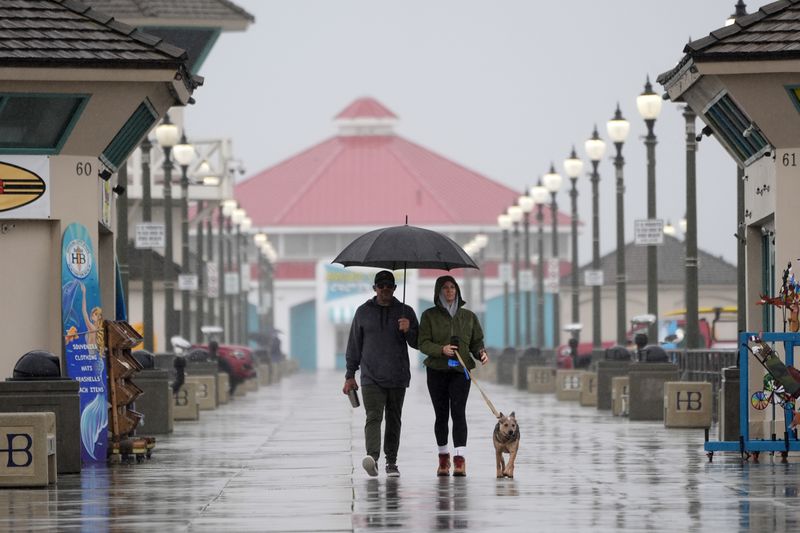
(506, 440)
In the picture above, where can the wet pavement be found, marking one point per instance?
(288, 458)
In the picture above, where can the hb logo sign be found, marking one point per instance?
(182, 398)
(18, 450)
(688, 401)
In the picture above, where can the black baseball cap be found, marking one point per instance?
(384, 276)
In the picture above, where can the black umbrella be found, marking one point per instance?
(405, 247)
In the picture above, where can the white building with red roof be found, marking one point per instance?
(365, 177)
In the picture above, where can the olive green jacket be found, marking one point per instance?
(436, 327)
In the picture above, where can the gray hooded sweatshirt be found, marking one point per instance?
(377, 345)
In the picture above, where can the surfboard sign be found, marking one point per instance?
(24, 191)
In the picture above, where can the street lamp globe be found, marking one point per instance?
(238, 215)
(167, 133)
(515, 213)
(246, 224)
(228, 207)
(539, 194)
(260, 238)
(649, 103)
(669, 229)
(525, 203)
(552, 180)
(504, 221)
(683, 224)
(572, 165)
(595, 146)
(184, 152)
(618, 128)
(481, 239)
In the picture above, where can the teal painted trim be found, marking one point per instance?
(303, 328)
(129, 136)
(198, 64)
(76, 114)
(795, 98)
(82, 102)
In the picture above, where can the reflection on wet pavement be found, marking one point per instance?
(288, 458)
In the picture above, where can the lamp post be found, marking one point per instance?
(224, 265)
(272, 258)
(244, 283)
(525, 203)
(184, 154)
(649, 105)
(167, 135)
(740, 10)
(481, 240)
(690, 233)
(237, 217)
(515, 213)
(595, 148)
(573, 167)
(504, 222)
(618, 129)
(552, 182)
(260, 239)
(147, 268)
(539, 195)
(202, 256)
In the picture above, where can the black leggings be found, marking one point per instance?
(449, 391)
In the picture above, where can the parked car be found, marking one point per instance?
(717, 327)
(237, 361)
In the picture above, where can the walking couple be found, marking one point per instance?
(380, 334)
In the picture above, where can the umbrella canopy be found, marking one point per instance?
(405, 247)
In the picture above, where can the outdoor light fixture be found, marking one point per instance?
(595, 148)
(618, 129)
(552, 180)
(515, 213)
(504, 222)
(573, 167)
(167, 134)
(649, 105)
(228, 207)
(184, 152)
(669, 229)
(238, 215)
(260, 238)
(539, 194)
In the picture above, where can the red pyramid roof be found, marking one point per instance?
(366, 108)
(373, 180)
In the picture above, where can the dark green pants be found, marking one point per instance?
(378, 400)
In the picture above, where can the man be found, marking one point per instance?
(380, 334)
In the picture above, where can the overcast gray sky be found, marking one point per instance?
(502, 87)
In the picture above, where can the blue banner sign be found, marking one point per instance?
(82, 319)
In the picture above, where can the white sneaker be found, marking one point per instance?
(370, 466)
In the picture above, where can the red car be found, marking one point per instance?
(234, 359)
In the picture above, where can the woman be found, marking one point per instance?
(443, 329)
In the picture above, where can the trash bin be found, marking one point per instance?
(529, 357)
(37, 386)
(655, 354)
(37, 364)
(145, 359)
(505, 366)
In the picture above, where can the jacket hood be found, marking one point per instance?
(438, 288)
